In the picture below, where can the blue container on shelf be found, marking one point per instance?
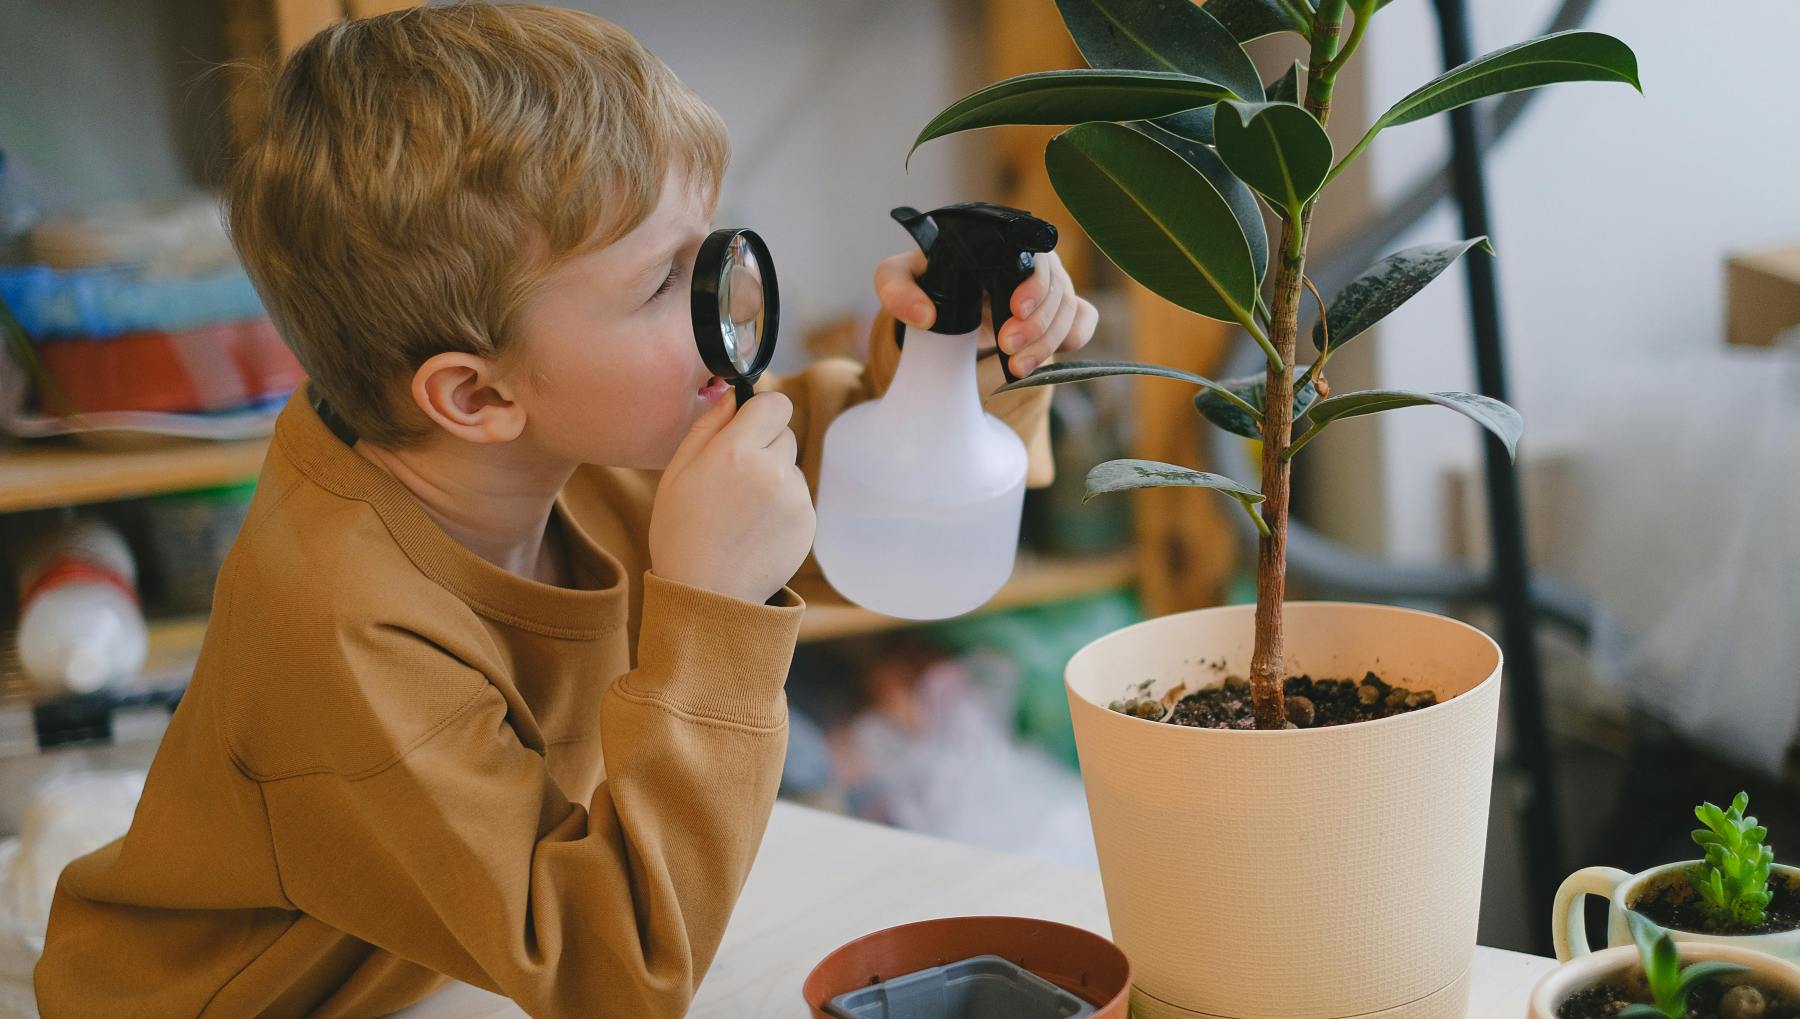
(981, 987)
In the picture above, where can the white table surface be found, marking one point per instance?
(821, 880)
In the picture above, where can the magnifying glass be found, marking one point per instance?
(736, 307)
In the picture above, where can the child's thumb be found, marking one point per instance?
(703, 430)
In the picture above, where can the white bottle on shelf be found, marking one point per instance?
(80, 627)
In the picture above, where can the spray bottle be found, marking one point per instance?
(920, 491)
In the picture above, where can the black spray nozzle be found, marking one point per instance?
(973, 250)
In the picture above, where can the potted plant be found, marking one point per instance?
(1279, 865)
(1649, 981)
(1737, 895)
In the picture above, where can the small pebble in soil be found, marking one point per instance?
(1300, 711)
(1310, 703)
(1743, 1002)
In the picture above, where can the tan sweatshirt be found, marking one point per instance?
(398, 763)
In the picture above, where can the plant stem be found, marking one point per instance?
(1268, 664)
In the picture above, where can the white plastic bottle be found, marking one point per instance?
(80, 627)
(920, 491)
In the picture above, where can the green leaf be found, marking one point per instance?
(1192, 126)
(1562, 56)
(1082, 371)
(1644, 1012)
(1549, 60)
(1700, 972)
(1277, 148)
(1156, 217)
(1643, 932)
(1160, 35)
(1123, 475)
(1253, 19)
(1074, 97)
(1386, 285)
(1491, 414)
(1251, 389)
(1286, 89)
(1664, 971)
(1236, 193)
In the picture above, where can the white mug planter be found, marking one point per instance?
(1622, 892)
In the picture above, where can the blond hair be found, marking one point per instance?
(419, 172)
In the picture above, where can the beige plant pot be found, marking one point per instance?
(1302, 874)
(1613, 963)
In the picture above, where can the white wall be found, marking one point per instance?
(1612, 214)
(823, 98)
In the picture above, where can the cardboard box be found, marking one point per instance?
(1762, 295)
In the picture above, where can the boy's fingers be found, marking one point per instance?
(761, 419)
(1051, 341)
(1026, 328)
(702, 431)
(786, 446)
(1029, 294)
(896, 284)
(1086, 319)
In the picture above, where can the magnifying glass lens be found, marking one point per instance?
(741, 305)
(735, 305)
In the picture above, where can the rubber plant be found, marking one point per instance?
(1174, 139)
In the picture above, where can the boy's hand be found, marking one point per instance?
(1047, 316)
(732, 513)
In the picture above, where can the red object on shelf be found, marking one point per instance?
(210, 368)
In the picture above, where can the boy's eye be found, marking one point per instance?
(667, 283)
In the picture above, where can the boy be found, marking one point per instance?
(492, 688)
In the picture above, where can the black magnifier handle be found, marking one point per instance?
(743, 388)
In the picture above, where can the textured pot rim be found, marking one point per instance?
(1417, 717)
(1585, 971)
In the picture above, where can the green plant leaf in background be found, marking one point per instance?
(1159, 35)
(1192, 125)
(1082, 371)
(1253, 19)
(1236, 193)
(1074, 97)
(1386, 285)
(1561, 56)
(1286, 89)
(1277, 148)
(1156, 217)
(1124, 475)
(1487, 412)
(1251, 390)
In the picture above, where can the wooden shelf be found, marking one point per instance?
(1034, 581)
(40, 475)
(175, 642)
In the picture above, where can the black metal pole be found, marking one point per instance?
(1512, 587)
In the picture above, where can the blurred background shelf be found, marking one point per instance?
(49, 474)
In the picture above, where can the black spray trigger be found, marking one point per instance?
(972, 249)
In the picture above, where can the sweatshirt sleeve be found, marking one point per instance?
(828, 387)
(472, 861)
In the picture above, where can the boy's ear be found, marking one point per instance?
(468, 396)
